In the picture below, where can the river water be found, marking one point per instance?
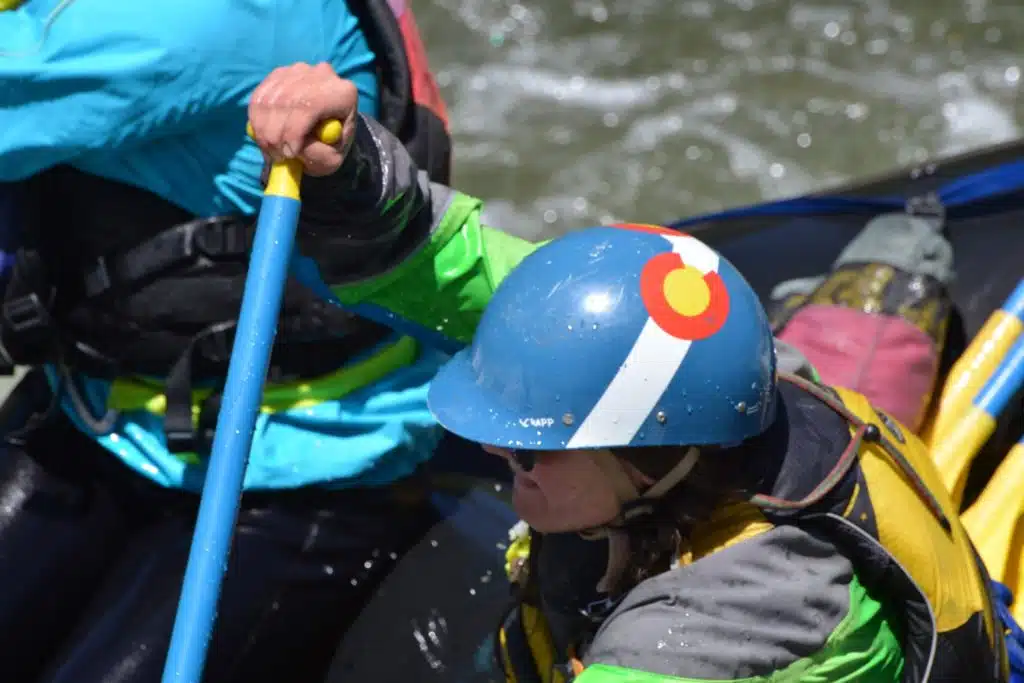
(568, 113)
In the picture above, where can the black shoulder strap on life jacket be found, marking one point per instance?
(423, 134)
(384, 36)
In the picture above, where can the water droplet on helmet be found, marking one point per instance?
(569, 327)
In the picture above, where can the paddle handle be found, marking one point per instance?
(286, 176)
(993, 518)
(236, 422)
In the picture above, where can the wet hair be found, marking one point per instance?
(720, 476)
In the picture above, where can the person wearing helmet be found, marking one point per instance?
(688, 510)
(127, 192)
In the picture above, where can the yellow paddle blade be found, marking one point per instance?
(956, 451)
(994, 523)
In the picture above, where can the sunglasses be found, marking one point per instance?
(525, 460)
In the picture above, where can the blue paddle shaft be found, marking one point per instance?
(218, 508)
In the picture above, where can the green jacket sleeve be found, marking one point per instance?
(404, 251)
(447, 283)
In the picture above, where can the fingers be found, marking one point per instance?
(266, 117)
(319, 159)
(286, 109)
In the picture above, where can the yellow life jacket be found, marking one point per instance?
(897, 522)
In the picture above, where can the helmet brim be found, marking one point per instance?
(463, 407)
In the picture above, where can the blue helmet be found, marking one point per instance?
(622, 336)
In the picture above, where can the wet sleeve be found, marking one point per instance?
(419, 258)
(445, 285)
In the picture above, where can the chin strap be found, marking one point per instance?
(634, 505)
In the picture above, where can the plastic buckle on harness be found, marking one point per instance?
(180, 441)
(221, 237)
(26, 314)
(199, 439)
(28, 329)
(99, 278)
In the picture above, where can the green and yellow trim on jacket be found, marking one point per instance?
(142, 393)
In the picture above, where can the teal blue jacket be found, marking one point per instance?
(154, 94)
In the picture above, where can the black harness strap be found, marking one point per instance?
(215, 239)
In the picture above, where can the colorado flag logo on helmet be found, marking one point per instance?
(682, 289)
